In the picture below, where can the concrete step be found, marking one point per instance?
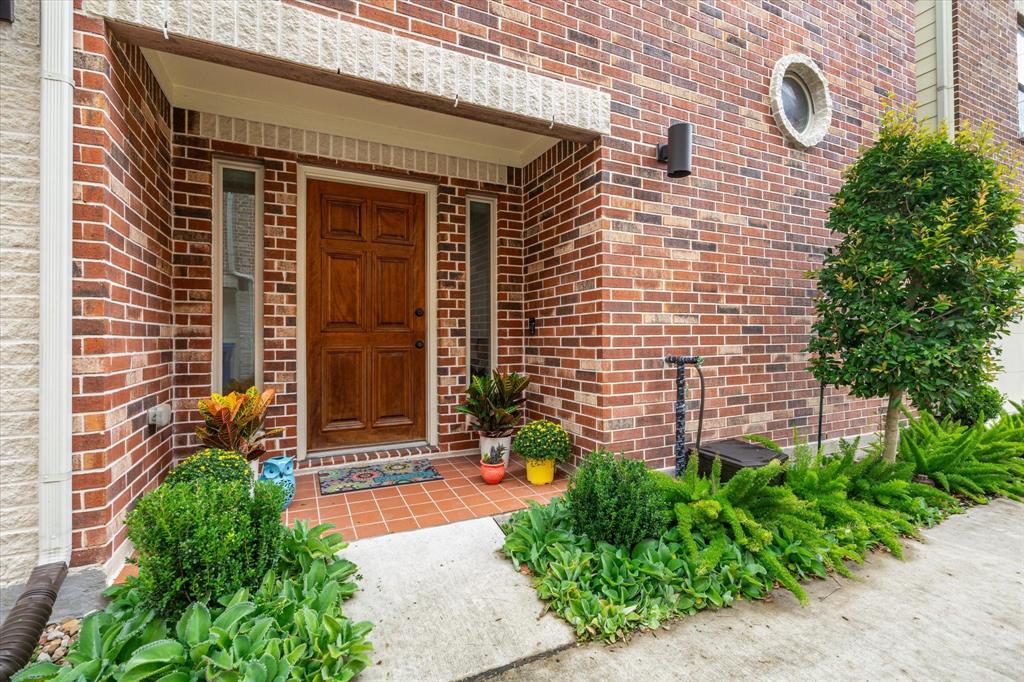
(446, 605)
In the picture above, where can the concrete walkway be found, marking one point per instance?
(953, 610)
(446, 605)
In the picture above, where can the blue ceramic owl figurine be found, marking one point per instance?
(281, 470)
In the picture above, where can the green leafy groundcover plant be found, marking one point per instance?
(765, 527)
(606, 591)
(290, 628)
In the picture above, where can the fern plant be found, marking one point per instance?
(975, 462)
(866, 502)
(748, 510)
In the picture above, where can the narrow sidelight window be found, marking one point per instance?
(237, 274)
(482, 308)
(1020, 74)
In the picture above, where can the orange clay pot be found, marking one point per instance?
(492, 473)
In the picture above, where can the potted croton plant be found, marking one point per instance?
(493, 404)
(542, 444)
(236, 422)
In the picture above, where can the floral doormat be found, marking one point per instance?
(348, 478)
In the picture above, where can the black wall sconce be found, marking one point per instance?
(678, 153)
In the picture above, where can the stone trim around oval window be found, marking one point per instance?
(807, 71)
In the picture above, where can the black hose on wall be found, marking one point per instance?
(20, 632)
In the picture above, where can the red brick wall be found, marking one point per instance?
(193, 163)
(985, 67)
(713, 264)
(717, 261)
(122, 286)
(562, 253)
(618, 263)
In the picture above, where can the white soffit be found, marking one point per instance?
(228, 91)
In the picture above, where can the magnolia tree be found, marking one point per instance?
(924, 279)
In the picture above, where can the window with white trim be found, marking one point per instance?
(237, 276)
(482, 314)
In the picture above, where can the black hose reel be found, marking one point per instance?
(734, 453)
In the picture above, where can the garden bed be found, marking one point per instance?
(290, 627)
(605, 562)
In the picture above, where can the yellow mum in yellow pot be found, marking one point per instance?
(542, 444)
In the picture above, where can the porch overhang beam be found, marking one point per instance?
(427, 76)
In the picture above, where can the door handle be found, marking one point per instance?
(419, 312)
(419, 344)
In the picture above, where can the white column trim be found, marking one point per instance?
(944, 103)
(55, 166)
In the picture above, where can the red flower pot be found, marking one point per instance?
(492, 473)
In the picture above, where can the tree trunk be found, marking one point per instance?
(892, 424)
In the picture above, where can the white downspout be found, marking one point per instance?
(55, 145)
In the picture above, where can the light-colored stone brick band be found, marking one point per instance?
(239, 130)
(19, 295)
(293, 34)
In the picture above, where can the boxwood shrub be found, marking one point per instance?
(204, 538)
(613, 499)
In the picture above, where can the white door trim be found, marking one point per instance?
(305, 174)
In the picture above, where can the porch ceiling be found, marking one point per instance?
(218, 89)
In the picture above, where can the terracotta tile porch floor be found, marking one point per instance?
(459, 496)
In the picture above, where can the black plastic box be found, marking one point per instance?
(736, 454)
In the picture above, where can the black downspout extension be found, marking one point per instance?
(821, 415)
(681, 361)
(20, 632)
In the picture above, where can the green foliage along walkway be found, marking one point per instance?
(768, 527)
(290, 628)
(950, 611)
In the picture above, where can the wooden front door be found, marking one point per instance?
(366, 326)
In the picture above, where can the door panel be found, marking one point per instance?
(393, 401)
(343, 218)
(393, 281)
(344, 389)
(342, 274)
(365, 275)
(392, 223)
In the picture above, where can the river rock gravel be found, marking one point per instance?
(56, 640)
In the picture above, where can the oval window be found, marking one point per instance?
(796, 103)
(800, 101)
